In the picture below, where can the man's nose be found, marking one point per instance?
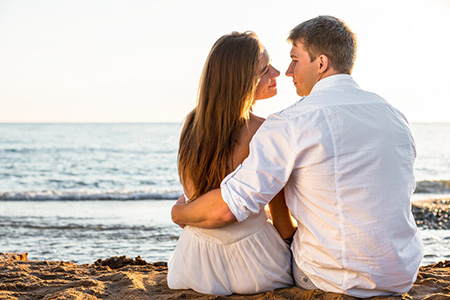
(289, 70)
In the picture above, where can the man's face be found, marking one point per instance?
(304, 73)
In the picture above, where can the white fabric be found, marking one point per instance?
(345, 158)
(301, 280)
(245, 258)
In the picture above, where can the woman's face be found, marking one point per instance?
(267, 86)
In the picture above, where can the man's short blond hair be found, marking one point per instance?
(329, 36)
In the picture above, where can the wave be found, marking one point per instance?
(90, 195)
(30, 223)
(422, 187)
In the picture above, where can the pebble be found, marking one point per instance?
(432, 215)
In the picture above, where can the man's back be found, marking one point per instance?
(345, 158)
(350, 191)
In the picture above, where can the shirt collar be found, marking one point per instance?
(333, 80)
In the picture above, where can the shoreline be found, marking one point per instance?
(125, 278)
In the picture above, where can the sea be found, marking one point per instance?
(82, 192)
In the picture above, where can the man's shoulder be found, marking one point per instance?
(293, 119)
(301, 110)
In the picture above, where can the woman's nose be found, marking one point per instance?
(276, 73)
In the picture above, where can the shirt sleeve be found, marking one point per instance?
(264, 172)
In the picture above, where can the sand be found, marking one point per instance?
(125, 278)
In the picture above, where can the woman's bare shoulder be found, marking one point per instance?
(254, 123)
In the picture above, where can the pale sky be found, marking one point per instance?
(140, 61)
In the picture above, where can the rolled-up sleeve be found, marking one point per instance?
(264, 172)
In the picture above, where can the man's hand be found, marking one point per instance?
(180, 201)
(207, 211)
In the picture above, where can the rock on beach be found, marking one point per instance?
(432, 214)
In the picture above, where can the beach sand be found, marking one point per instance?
(120, 278)
(125, 278)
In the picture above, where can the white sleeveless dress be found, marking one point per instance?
(247, 257)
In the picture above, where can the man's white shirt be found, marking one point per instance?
(345, 158)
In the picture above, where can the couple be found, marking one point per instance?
(340, 161)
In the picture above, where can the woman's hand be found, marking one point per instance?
(281, 217)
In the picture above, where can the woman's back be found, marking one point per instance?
(246, 257)
(241, 149)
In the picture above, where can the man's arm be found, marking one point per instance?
(207, 211)
(252, 185)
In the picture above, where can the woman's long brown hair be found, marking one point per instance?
(225, 97)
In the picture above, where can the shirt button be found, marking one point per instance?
(305, 279)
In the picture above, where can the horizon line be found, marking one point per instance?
(154, 122)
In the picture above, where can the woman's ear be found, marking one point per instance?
(323, 63)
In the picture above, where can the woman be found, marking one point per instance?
(247, 257)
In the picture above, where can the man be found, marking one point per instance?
(345, 158)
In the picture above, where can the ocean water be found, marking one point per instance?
(88, 161)
(80, 192)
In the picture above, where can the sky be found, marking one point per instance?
(140, 61)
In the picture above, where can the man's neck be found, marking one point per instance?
(330, 72)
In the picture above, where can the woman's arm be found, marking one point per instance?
(281, 217)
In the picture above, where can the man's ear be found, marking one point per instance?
(323, 63)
